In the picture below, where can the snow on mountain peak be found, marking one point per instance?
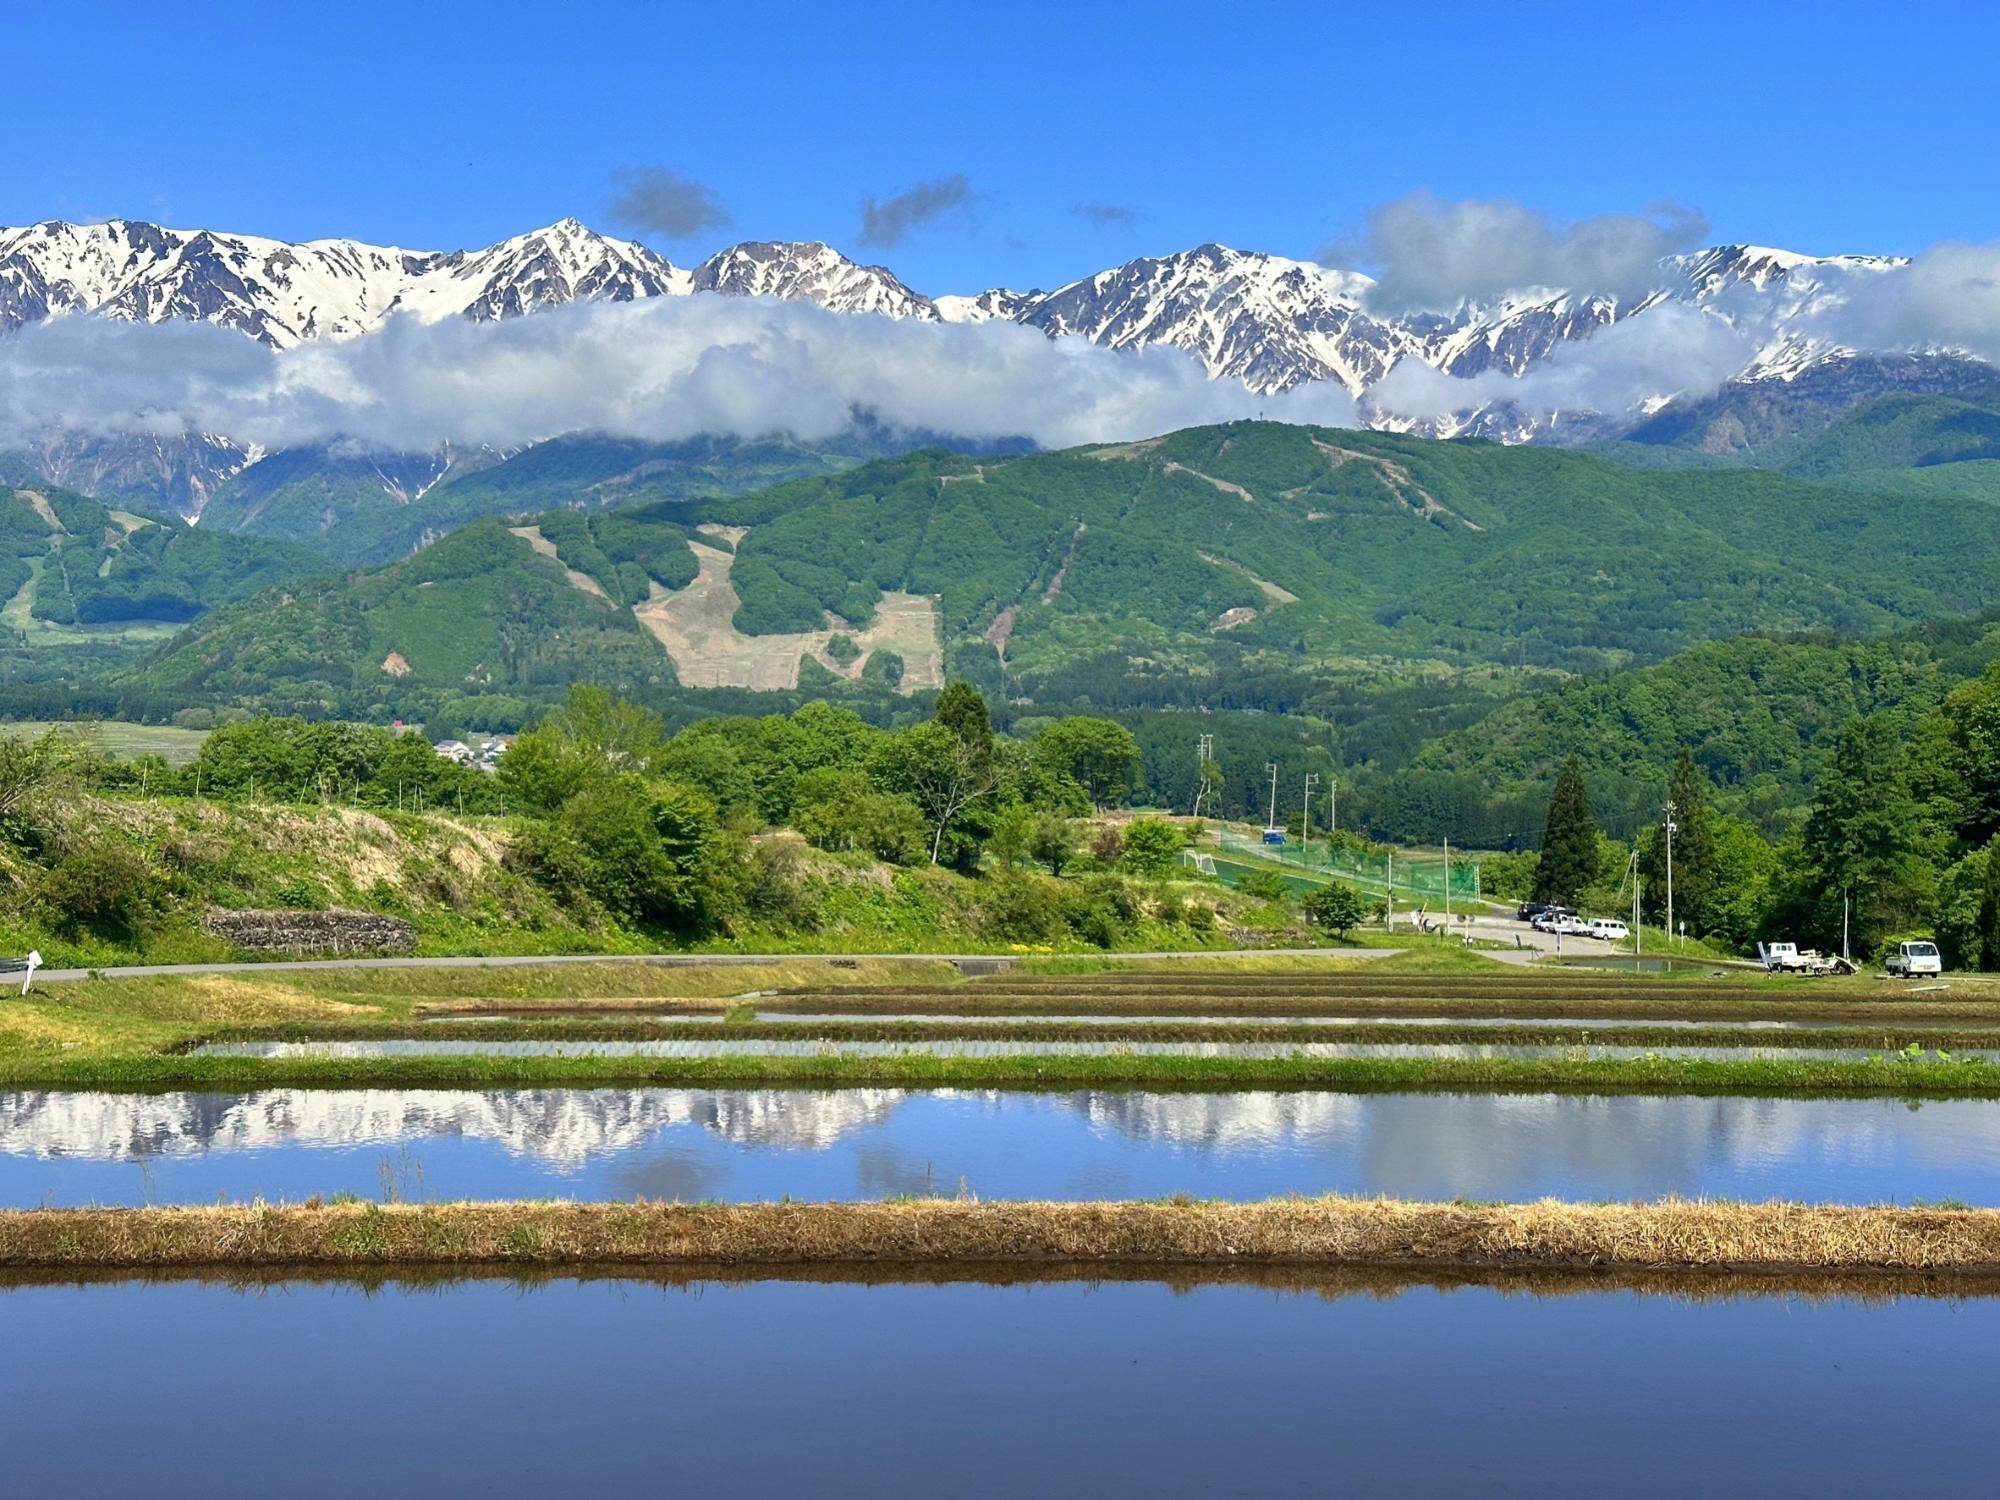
(1266, 320)
(810, 271)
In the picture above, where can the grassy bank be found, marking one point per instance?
(646, 1028)
(1331, 1231)
(1928, 1078)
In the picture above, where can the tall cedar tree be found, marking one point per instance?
(1569, 840)
(961, 708)
(1862, 836)
(1694, 850)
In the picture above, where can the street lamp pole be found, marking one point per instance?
(1672, 829)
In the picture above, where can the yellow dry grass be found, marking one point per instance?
(636, 985)
(1673, 1235)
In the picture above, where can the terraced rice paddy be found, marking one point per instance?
(1011, 1159)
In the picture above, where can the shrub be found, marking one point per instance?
(300, 895)
(1023, 909)
(1265, 885)
(774, 887)
(1152, 846)
(105, 887)
(1052, 841)
(634, 847)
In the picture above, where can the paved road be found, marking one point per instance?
(665, 960)
(1525, 943)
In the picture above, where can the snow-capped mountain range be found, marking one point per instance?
(1270, 322)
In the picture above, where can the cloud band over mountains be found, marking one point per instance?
(659, 370)
(674, 367)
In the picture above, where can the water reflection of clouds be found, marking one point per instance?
(688, 1143)
(562, 1125)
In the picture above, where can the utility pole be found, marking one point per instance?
(1447, 881)
(1271, 820)
(1306, 810)
(1333, 805)
(1638, 932)
(1389, 906)
(1672, 829)
(1204, 752)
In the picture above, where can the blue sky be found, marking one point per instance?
(1824, 128)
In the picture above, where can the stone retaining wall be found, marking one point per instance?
(308, 933)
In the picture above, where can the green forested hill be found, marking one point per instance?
(1759, 714)
(67, 560)
(1328, 544)
(480, 611)
(364, 510)
(1252, 550)
(85, 588)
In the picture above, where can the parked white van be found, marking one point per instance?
(1610, 929)
(1912, 959)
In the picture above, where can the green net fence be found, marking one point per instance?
(1417, 879)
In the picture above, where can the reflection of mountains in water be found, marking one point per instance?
(1482, 1143)
(1474, 1143)
(567, 1125)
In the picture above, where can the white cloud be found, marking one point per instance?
(1668, 350)
(1430, 253)
(1947, 298)
(661, 369)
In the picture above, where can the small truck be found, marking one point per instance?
(1789, 958)
(1913, 961)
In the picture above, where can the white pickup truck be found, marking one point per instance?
(1913, 960)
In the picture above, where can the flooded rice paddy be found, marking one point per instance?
(838, 1388)
(76, 1148)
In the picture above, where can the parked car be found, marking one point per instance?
(1546, 919)
(1527, 911)
(1910, 960)
(1610, 929)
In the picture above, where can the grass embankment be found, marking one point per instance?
(93, 1019)
(1926, 1079)
(1332, 1231)
(612, 1028)
(454, 877)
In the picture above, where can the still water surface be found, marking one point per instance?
(179, 1388)
(758, 1144)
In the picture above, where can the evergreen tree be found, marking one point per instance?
(1694, 850)
(1569, 839)
(961, 708)
(1864, 838)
